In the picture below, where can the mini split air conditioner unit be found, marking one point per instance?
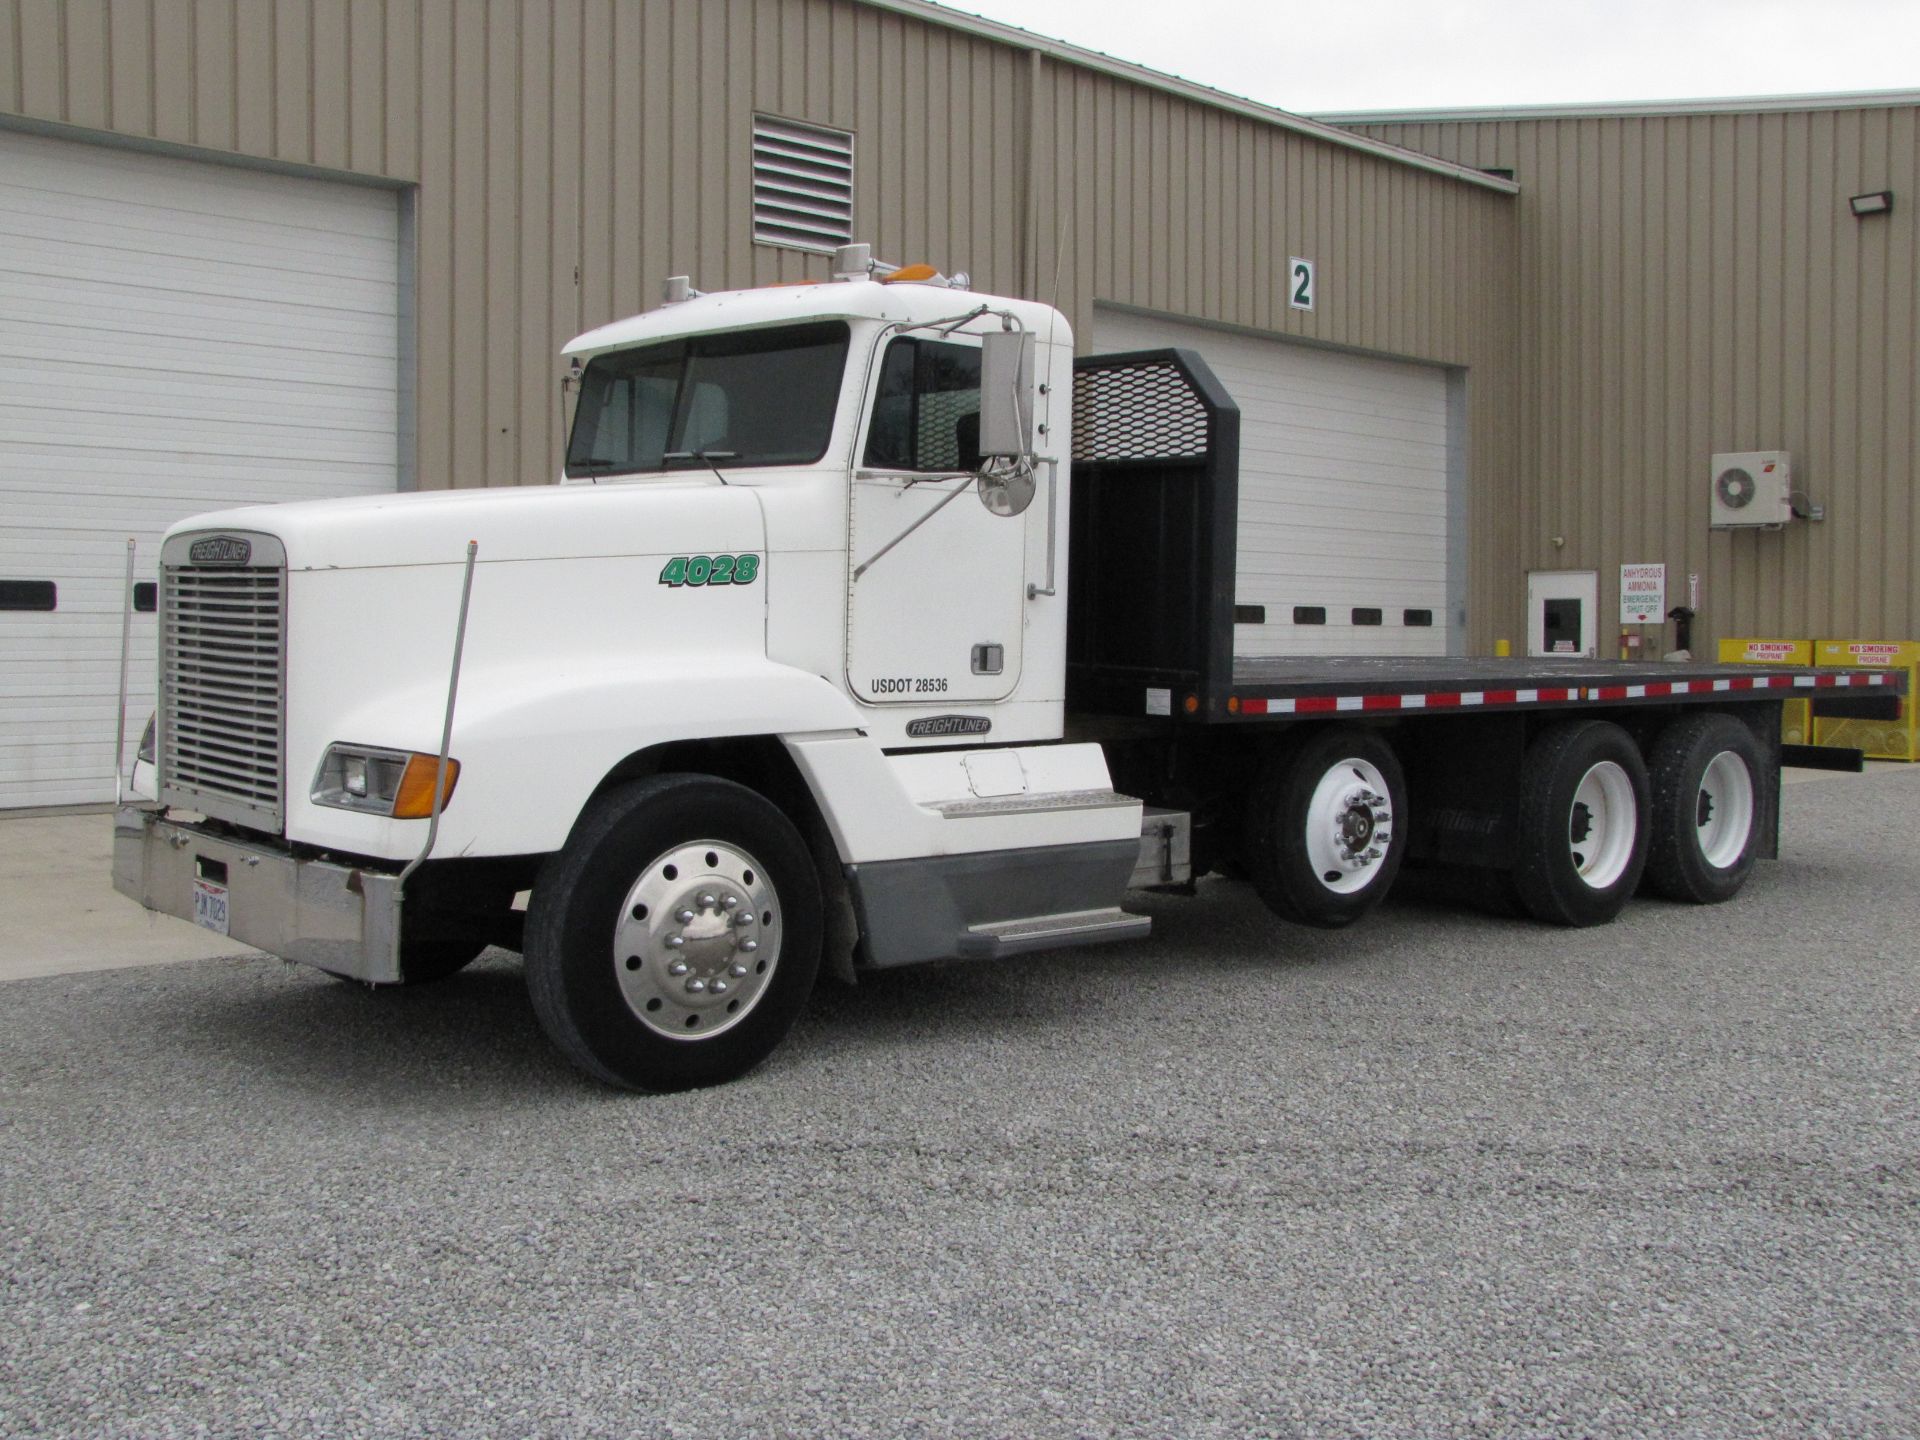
(1751, 489)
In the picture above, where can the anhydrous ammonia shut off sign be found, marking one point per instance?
(1643, 594)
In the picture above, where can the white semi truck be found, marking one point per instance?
(867, 627)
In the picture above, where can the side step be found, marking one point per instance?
(997, 902)
(1048, 932)
(1031, 804)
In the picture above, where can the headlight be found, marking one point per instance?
(147, 750)
(381, 782)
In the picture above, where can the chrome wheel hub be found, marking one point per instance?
(698, 940)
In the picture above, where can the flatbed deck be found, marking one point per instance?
(1301, 685)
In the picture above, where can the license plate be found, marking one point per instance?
(210, 906)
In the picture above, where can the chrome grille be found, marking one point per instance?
(222, 690)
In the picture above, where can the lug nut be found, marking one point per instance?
(727, 902)
(678, 967)
(749, 945)
(706, 900)
(675, 942)
(719, 987)
(738, 971)
(696, 986)
(744, 918)
(685, 917)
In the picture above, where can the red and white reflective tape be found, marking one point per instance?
(1574, 695)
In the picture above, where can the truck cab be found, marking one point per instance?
(775, 671)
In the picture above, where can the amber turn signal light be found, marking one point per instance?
(415, 798)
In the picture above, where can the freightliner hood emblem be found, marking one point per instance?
(221, 550)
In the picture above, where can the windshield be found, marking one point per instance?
(754, 397)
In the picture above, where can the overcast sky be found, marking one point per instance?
(1395, 54)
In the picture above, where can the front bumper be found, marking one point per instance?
(339, 918)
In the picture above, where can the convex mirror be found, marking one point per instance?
(1007, 493)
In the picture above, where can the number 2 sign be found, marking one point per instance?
(1300, 283)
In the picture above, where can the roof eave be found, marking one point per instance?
(1630, 109)
(1127, 70)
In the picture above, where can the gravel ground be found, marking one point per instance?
(1444, 1174)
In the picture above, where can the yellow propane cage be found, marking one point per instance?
(1796, 716)
(1876, 738)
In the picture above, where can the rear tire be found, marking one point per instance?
(1706, 774)
(674, 940)
(1582, 840)
(1326, 827)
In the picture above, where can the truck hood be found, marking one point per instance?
(550, 522)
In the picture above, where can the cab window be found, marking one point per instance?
(926, 412)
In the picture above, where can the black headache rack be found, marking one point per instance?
(1151, 533)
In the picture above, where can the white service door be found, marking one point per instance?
(175, 337)
(1344, 472)
(1562, 612)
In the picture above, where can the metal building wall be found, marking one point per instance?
(1693, 283)
(568, 154)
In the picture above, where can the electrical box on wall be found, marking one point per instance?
(1750, 489)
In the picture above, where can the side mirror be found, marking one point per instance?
(1006, 395)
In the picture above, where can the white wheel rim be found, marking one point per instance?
(698, 940)
(1723, 810)
(1349, 826)
(1601, 824)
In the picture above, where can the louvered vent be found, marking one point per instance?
(221, 691)
(802, 185)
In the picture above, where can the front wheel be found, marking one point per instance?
(1327, 828)
(1705, 773)
(1582, 824)
(674, 940)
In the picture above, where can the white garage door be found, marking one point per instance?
(1347, 536)
(175, 337)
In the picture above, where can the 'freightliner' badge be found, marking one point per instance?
(934, 726)
(221, 550)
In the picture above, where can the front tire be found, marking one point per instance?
(1583, 823)
(674, 940)
(1705, 772)
(1326, 829)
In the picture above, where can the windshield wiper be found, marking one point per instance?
(707, 455)
(591, 468)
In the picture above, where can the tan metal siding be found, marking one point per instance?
(1168, 205)
(1695, 283)
(569, 154)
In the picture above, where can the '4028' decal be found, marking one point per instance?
(711, 570)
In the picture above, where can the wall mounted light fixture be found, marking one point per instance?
(1877, 202)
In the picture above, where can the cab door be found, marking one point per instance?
(937, 581)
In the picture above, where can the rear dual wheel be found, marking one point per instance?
(1326, 828)
(1708, 779)
(1582, 839)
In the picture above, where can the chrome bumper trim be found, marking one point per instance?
(338, 918)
